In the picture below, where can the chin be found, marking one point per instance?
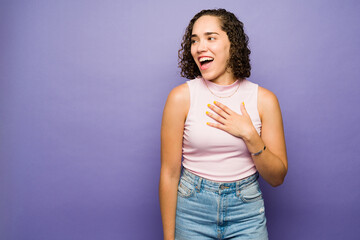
(208, 77)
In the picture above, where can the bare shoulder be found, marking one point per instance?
(267, 102)
(178, 101)
(180, 93)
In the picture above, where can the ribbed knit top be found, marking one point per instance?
(212, 153)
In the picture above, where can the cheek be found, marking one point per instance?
(226, 55)
(222, 53)
(193, 52)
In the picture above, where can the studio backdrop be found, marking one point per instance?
(82, 89)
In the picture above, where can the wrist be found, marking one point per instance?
(259, 152)
(251, 136)
(169, 236)
(254, 143)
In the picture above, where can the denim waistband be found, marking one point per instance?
(224, 187)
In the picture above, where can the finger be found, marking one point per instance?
(243, 109)
(218, 111)
(223, 107)
(216, 125)
(216, 117)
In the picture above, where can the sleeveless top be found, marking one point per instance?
(210, 152)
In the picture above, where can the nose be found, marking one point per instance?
(202, 47)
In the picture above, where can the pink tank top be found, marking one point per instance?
(210, 152)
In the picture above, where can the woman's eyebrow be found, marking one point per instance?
(207, 34)
(211, 33)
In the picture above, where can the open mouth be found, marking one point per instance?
(205, 62)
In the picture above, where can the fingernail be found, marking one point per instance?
(243, 104)
(209, 105)
(215, 102)
(207, 112)
(208, 123)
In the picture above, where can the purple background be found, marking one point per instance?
(82, 89)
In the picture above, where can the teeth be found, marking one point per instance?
(205, 59)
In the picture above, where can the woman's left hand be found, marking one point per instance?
(230, 121)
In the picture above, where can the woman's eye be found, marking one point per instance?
(211, 38)
(193, 41)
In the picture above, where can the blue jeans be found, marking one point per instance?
(214, 210)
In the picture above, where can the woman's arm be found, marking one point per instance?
(271, 163)
(172, 128)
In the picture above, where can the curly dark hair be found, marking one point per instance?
(239, 60)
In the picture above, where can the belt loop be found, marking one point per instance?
(237, 188)
(198, 186)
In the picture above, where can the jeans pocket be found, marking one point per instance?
(185, 189)
(251, 192)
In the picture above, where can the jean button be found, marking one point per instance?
(222, 187)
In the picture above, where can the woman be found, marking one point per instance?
(228, 131)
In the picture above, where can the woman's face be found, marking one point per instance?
(210, 48)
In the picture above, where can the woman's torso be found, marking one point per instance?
(210, 152)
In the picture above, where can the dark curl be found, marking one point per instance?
(239, 60)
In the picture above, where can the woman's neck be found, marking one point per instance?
(226, 79)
